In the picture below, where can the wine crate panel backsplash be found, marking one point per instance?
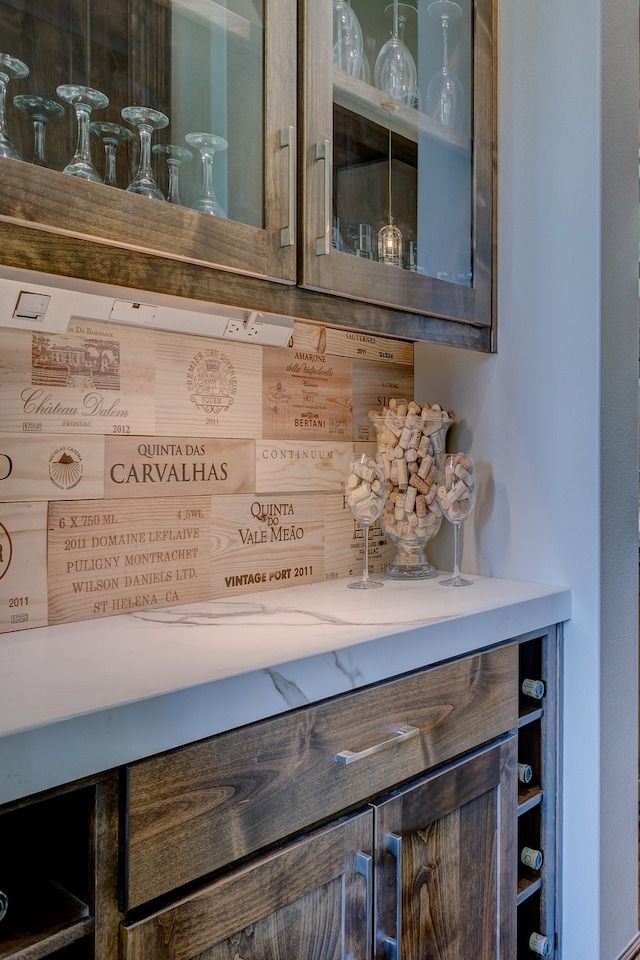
(239, 451)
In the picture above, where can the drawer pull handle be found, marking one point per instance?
(288, 140)
(4, 905)
(345, 757)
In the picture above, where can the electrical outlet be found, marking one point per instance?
(235, 328)
(263, 328)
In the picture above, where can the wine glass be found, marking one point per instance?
(445, 96)
(457, 498)
(395, 71)
(175, 156)
(10, 69)
(366, 492)
(84, 100)
(146, 120)
(111, 134)
(348, 50)
(41, 111)
(208, 144)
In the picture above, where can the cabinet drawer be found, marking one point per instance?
(203, 806)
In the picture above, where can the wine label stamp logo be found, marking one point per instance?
(6, 550)
(65, 468)
(374, 384)
(91, 379)
(211, 381)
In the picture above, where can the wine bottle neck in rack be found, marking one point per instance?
(540, 945)
(525, 773)
(531, 858)
(533, 688)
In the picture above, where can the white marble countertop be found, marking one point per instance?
(84, 697)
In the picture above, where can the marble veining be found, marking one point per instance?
(288, 690)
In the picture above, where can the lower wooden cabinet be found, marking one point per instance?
(307, 901)
(437, 858)
(445, 862)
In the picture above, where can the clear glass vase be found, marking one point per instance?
(411, 448)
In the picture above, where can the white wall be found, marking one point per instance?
(552, 419)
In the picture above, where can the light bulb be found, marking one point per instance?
(390, 244)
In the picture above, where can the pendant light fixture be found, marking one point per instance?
(389, 237)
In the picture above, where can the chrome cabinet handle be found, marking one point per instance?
(323, 152)
(392, 945)
(288, 140)
(4, 905)
(364, 867)
(345, 757)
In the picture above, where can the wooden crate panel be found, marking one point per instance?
(51, 467)
(348, 343)
(114, 557)
(373, 386)
(301, 466)
(95, 378)
(344, 543)
(23, 566)
(259, 543)
(208, 388)
(306, 396)
(177, 467)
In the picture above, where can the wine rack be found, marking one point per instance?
(51, 873)
(538, 799)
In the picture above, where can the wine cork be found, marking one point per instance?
(411, 455)
(531, 858)
(402, 474)
(425, 467)
(463, 475)
(405, 438)
(540, 944)
(359, 493)
(533, 688)
(365, 472)
(525, 773)
(421, 507)
(410, 499)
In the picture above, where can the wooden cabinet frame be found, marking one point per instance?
(31, 195)
(362, 279)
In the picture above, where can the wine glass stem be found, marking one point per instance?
(396, 22)
(365, 568)
(83, 114)
(3, 98)
(445, 44)
(207, 177)
(144, 170)
(110, 177)
(38, 141)
(456, 550)
(174, 181)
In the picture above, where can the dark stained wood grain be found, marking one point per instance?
(295, 903)
(25, 247)
(457, 864)
(104, 869)
(194, 810)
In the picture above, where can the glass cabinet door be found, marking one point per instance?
(164, 125)
(398, 125)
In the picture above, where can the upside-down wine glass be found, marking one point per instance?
(366, 492)
(445, 96)
(395, 71)
(457, 498)
(348, 47)
(208, 144)
(174, 155)
(146, 120)
(84, 100)
(41, 111)
(111, 134)
(10, 69)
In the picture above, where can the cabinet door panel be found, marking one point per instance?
(383, 153)
(309, 900)
(445, 888)
(222, 67)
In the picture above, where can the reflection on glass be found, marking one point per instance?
(348, 50)
(174, 155)
(111, 135)
(10, 69)
(84, 100)
(395, 70)
(445, 96)
(40, 110)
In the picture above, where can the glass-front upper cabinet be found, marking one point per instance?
(163, 125)
(399, 137)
